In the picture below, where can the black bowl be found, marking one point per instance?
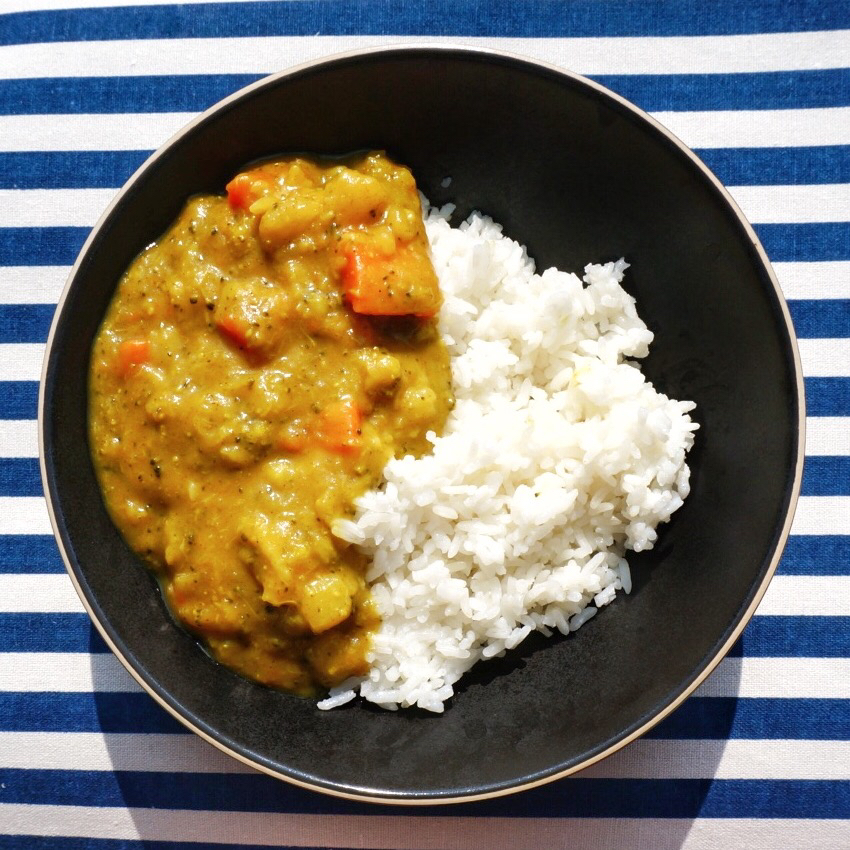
(579, 175)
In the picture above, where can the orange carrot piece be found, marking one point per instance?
(131, 354)
(239, 190)
(294, 442)
(340, 426)
(249, 186)
(233, 330)
(402, 284)
(245, 188)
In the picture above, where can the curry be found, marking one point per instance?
(255, 371)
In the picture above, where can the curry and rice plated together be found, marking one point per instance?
(351, 478)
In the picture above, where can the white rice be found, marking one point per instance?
(557, 458)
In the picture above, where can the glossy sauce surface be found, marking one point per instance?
(257, 368)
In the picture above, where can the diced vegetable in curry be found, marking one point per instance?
(257, 368)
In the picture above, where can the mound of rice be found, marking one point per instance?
(558, 457)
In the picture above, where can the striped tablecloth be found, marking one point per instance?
(759, 757)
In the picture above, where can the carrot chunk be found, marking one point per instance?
(131, 354)
(339, 426)
(401, 284)
(244, 189)
(233, 330)
(294, 442)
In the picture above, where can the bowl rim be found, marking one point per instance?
(530, 63)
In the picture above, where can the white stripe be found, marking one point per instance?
(645, 759)
(726, 759)
(18, 438)
(786, 595)
(24, 515)
(422, 832)
(825, 357)
(828, 435)
(793, 204)
(807, 596)
(821, 357)
(53, 207)
(145, 131)
(759, 128)
(21, 361)
(595, 56)
(50, 593)
(814, 280)
(89, 132)
(825, 435)
(776, 678)
(114, 751)
(65, 672)
(32, 284)
(822, 515)
(761, 205)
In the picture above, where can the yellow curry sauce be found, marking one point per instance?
(257, 368)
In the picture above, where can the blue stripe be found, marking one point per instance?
(810, 242)
(768, 719)
(459, 18)
(699, 718)
(50, 633)
(90, 95)
(59, 246)
(41, 246)
(827, 475)
(18, 399)
(573, 797)
(652, 92)
(779, 166)
(733, 166)
(68, 169)
(698, 92)
(794, 637)
(20, 476)
(827, 396)
(764, 637)
(25, 322)
(823, 319)
(28, 554)
(804, 555)
(823, 476)
(813, 555)
(85, 712)
(827, 318)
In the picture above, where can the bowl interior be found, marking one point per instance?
(578, 177)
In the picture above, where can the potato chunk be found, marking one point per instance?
(381, 371)
(288, 217)
(326, 601)
(355, 198)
